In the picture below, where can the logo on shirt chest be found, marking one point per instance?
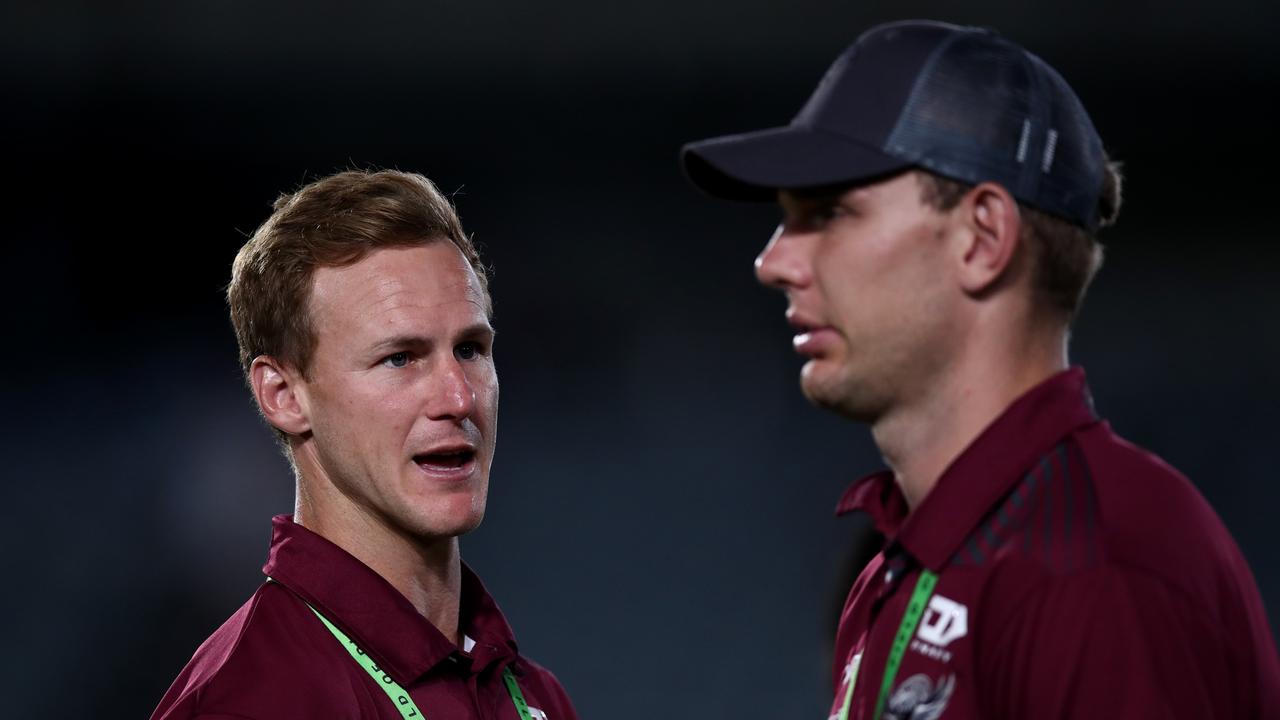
(943, 622)
(919, 698)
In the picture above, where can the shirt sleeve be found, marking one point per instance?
(1107, 642)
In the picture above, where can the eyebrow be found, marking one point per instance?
(470, 331)
(799, 209)
(808, 200)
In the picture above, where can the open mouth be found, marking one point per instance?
(446, 460)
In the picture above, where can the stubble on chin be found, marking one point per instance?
(446, 519)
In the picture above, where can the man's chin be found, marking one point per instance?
(819, 386)
(835, 394)
(465, 527)
(448, 527)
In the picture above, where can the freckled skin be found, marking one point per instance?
(373, 406)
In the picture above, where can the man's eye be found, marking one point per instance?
(469, 350)
(398, 360)
(824, 215)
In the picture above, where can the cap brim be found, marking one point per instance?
(754, 166)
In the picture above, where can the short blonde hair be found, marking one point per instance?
(332, 222)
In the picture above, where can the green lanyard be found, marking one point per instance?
(907, 628)
(399, 696)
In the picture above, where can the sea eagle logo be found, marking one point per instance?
(916, 698)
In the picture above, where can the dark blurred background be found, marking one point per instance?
(660, 529)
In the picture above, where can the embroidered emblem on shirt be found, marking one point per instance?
(916, 698)
(944, 622)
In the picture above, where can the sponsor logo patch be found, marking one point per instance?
(943, 622)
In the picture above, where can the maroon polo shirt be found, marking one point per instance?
(1078, 577)
(274, 659)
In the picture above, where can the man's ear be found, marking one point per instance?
(994, 223)
(280, 395)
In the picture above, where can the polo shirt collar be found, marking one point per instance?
(375, 615)
(979, 476)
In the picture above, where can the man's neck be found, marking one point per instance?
(919, 440)
(428, 574)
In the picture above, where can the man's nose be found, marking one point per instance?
(782, 264)
(451, 395)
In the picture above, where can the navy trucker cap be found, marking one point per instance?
(962, 102)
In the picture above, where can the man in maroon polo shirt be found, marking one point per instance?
(941, 191)
(362, 314)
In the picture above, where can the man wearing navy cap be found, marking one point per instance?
(941, 194)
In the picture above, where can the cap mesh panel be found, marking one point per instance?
(983, 110)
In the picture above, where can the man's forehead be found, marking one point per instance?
(396, 282)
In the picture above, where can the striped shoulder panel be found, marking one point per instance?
(1051, 516)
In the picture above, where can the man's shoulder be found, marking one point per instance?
(257, 664)
(1125, 469)
(1097, 506)
(1151, 516)
(269, 628)
(1111, 524)
(547, 689)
